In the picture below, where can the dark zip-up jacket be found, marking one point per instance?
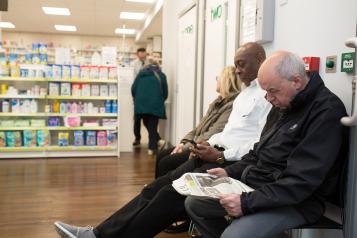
(297, 161)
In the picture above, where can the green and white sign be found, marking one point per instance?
(348, 62)
(216, 12)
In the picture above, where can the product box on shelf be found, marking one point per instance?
(112, 73)
(85, 70)
(101, 138)
(66, 89)
(85, 89)
(72, 121)
(78, 139)
(113, 90)
(13, 139)
(103, 90)
(38, 122)
(91, 138)
(76, 89)
(95, 91)
(110, 122)
(43, 138)
(75, 72)
(29, 138)
(103, 72)
(94, 72)
(22, 123)
(7, 123)
(66, 72)
(63, 139)
(53, 89)
(111, 138)
(90, 122)
(2, 139)
(57, 71)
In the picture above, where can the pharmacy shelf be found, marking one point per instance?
(84, 80)
(10, 114)
(81, 97)
(23, 79)
(83, 115)
(58, 128)
(22, 97)
(56, 148)
(88, 80)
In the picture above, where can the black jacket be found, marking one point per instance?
(297, 161)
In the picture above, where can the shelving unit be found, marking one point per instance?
(53, 150)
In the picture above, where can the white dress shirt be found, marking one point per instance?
(245, 123)
(138, 65)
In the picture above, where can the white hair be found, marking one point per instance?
(290, 66)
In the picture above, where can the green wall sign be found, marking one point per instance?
(348, 62)
(188, 30)
(216, 12)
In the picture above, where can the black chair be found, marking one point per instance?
(336, 200)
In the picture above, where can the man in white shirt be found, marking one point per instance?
(159, 205)
(138, 65)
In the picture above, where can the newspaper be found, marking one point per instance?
(206, 185)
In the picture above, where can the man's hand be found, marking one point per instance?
(231, 203)
(178, 149)
(206, 153)
(219, 172)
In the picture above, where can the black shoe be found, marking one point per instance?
(177, 228)
(136, 142)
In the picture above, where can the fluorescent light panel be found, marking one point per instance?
(125, 31)
(142, 1)
(5, 24)
(65, 28)
(56, 11)
(132, 15)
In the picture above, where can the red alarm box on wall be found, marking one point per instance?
(312, 63)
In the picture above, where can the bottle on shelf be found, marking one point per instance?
(108, 106)
(114, 107)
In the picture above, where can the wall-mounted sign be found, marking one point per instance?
(348, 62)
(188, 30)
(216, 12)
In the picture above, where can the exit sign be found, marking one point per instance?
(216, 12)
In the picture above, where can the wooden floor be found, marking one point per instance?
(36, 192)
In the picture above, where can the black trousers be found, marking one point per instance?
(137, 127)
(154, 209)
(165, 162)
(151, 123)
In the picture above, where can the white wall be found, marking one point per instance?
(171, 11)
(317, 28)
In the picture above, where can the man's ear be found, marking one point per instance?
(298, 82)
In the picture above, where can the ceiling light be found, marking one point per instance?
(65, 28)
(5, 24)
(142, 1)
(125, 31)
(132, 15)
(56, 11)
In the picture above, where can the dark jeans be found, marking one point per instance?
(155, 208)
(151, 123)
(165, 162)
(137, 127)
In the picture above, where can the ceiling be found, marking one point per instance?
(91, 17)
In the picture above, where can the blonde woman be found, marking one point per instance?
(228, 87)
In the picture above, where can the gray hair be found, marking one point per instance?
(151, 61)
(290, 66)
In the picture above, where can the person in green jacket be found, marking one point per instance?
(149, 92)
